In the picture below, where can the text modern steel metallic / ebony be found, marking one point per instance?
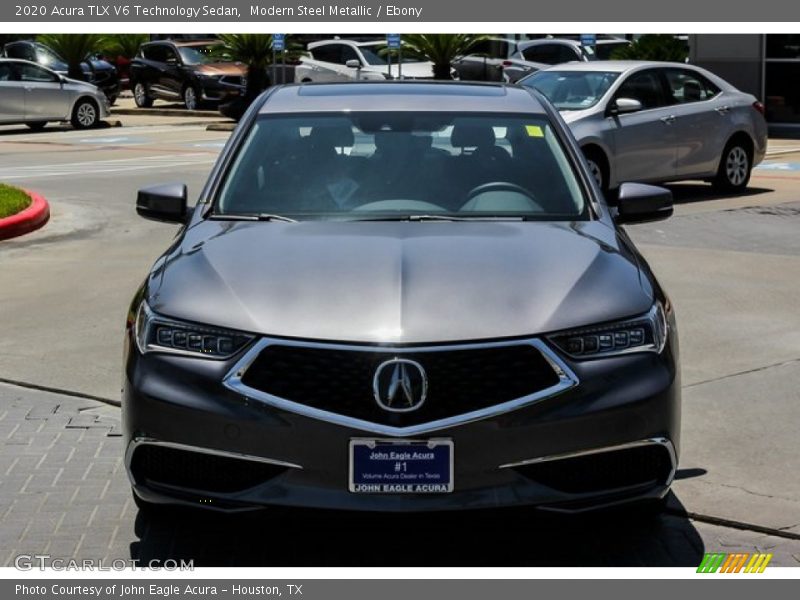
(401, 296)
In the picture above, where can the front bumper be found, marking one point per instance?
(622, 404)
(219, 91)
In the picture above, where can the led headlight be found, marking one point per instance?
(647, 333)
(159, 334)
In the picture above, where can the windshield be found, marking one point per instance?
(402, 165)
(199, 55)
(572, 90)
(45, 56)
(373, 55)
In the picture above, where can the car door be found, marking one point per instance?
(644, 141)
(171, 77)
(148, 66)
(45, 96)
(12, 95)
(701, 129)
(328, 58)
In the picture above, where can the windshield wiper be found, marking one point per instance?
(259, 217)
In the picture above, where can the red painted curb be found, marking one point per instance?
(30, 219)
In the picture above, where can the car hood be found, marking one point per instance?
(571, 116)
(398, 282)
(82, 85)
(223, 68)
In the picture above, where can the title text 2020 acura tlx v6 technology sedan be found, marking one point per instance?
(401, 296)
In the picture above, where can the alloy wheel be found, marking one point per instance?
(190, 98)
(139, 94)
(86, 114)
(737, 164)
(596, 172)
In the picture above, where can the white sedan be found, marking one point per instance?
(347, 60)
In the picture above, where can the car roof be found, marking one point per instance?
(615, 66)
(402, 96)
(182, 43)
(343, 41)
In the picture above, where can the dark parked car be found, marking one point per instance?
(401, 296)
(191, 72)
(97, 72)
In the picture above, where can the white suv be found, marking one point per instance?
(347, 60)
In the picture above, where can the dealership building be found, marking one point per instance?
(765, 65)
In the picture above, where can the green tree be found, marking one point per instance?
(654, 46)
(439, 48)
(123, 44)
(253, 49)
(74, 48)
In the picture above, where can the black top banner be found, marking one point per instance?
(472, 11)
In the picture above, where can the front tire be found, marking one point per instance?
(85, 114)
(191, 99)
(141, 97)
(598, 167)
(735, 167)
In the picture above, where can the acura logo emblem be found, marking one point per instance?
(400, 385)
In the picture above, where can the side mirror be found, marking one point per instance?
(622, 106)
(641, 203)
(166, 203)
(353, 63)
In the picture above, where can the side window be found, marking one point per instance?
(348, 53)
(6, 72)
(543, 53)
(23, 51)
(688, 86)
(645, 87)
(154, 53)
(328, 53)
(36, 74)
(170, 55)
(566, 53)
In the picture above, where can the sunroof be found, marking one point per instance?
(402, 89)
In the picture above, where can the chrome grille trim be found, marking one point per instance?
(233, 381)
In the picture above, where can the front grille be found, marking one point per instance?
(341, 380)
(198, 470)
(636, 466)
(232, 79)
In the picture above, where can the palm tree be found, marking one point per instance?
(125, 45)
(439, 48)
(654, 46)
(255, 50)
(74, 48)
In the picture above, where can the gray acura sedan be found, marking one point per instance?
(401, 296)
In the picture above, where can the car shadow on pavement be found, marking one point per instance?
(687, 193)
(488, 538)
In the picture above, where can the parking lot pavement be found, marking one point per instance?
(730, 264)
(63, 492)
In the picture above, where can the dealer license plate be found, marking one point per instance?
(401, 466)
